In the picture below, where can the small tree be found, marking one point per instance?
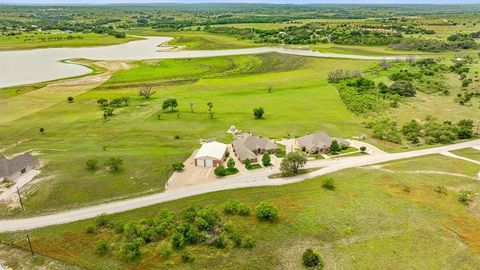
(335, 147)
(231, 163)
(266, 160)
(70, 99)
(178, 166)
(292, 162)
(146, 91)
(312, 260)
(92, 164)
(269, 89)
(220, 171)
(258, 113)
(114, 164)
(266, 211)
(191, 106)
(363, 149)
(42, 130)
(210, 106)
(169, 103)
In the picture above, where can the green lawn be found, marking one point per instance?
(468, 153)
(47, 40)
(435, 163)
(144, 136)
(366, 223)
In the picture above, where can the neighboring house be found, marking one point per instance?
(211, 154)
(250, 146)
(318, 142)
(11, 169)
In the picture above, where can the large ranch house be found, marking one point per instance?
(211, 154)
(11, 169)
(249, 146)
(319, 142)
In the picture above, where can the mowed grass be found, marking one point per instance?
(144, 136)
(55, 40)
(368, 222)
(435, 163)
(468, 153)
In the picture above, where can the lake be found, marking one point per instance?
(38, 65)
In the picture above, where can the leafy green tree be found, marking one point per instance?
(114, 164)
(403, 88)
(231, 163)
(335, 147)
(385, 128)
(292, 162)
(42, 130)
(465, 129)
(266, 211)
(258, 113)
(266, 160)
(363, 149)
(169, 103)
(70, 99)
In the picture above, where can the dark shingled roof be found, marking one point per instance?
(9, 167)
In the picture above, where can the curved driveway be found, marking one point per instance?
(253, 180)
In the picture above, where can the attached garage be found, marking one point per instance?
(211, 154)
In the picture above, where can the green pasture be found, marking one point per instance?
(468, 153)
(369, 221)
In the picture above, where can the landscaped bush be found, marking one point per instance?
(220, 171)
(178, 166)
(266, 160)
(266, 211)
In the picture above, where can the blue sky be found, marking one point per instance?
(244, 1)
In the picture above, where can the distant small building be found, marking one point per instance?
(250, 146)
(319, 142)
(11, 169)
(211, 154)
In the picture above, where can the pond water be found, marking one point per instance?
(31, 66)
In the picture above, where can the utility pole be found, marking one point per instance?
(31, 248)
(20, 198)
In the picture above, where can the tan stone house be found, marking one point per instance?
(318, 142)
(211, 154)
(250, 146)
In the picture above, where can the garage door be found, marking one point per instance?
(209, 163)
(200, 163)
